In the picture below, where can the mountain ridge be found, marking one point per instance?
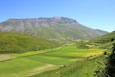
(60, 28)
(61, 20)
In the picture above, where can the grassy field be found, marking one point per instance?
(74, 52)
(31, 63)
(84, 68)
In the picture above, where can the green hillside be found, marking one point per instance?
(12, 42)
(104, 39)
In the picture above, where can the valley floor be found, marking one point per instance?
(50, 63)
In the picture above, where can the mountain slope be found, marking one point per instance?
(51, 28)
(12, 42)
(103, 41)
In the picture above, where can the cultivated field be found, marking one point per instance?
(35, 62)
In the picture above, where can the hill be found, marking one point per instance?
(59, 28)
(103, 41)
(13, 42)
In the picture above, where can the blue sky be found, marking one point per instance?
(97, 14)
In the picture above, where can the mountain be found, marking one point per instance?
(60, 28)
(17, 43)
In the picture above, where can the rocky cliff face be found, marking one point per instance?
(50, 28)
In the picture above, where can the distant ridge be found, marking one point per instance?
(58, 20)
(56, 28)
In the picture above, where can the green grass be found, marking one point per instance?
(51, 59)
(72, 52)
(83, 68)
(17, 43)
(104, 39)
(35, 52)
(22, 65)
(103, 42)
(31, 60)
(18, 65)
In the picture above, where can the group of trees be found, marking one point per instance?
(110, 69)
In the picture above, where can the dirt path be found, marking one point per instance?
(42, 69)
(4, 57)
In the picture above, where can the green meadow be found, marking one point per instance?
(36, 62)
(82, 68)
(73, 52)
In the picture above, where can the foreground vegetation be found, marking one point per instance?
(109, 71)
